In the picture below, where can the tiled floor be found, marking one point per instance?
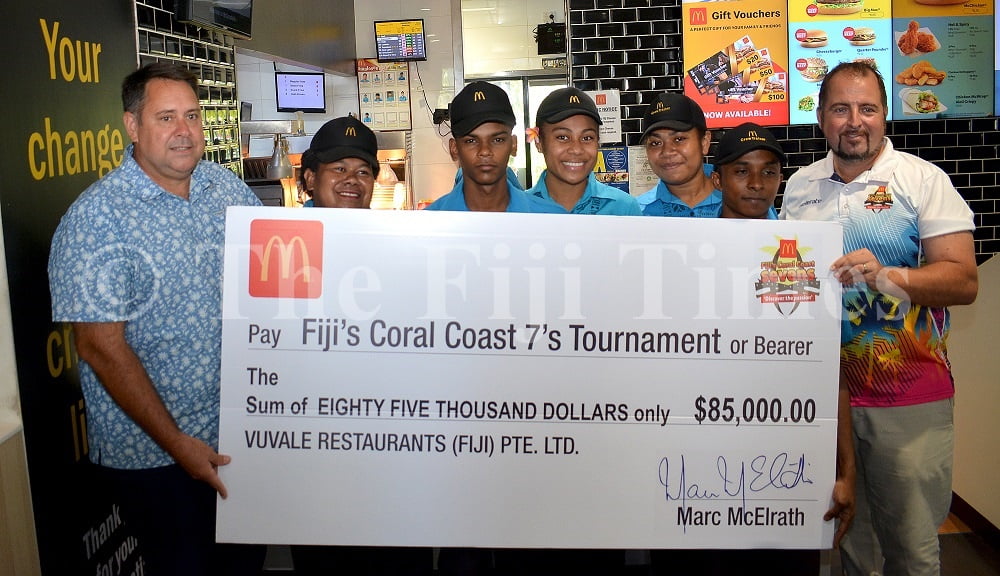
(953, 525)
(963, 553)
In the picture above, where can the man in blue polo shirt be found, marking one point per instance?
(569, 137)
(482, 121)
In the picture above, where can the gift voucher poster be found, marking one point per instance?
(822, 34)
(736, 61)
(938, 52)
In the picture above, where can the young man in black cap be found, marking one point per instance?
(568, 126)
(747, 170)
(676, 140)
(341, 164)
(482, 142)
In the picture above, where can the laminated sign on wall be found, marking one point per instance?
(384, 94)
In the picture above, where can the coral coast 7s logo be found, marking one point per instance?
(286, 258)
(787, 280)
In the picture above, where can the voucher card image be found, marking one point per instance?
(713, 71)
(748, 75)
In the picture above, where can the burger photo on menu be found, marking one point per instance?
(812, 69)
(811, 38)
(839, 6)
(869, 61)
(863, 36)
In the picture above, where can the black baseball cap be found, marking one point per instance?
(478, 103)
(673, 111)
(563, 103)
(745, 138)
(345, 137)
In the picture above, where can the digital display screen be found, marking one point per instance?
(300, 91)
(400, 40)
(231, 16)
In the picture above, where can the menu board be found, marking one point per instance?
(384, 94)
(822, 34)
(938, 55)
(736, 61)
(742, 62)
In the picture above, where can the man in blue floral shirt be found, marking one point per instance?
(136, 266)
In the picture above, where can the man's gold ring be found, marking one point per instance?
(864, 267)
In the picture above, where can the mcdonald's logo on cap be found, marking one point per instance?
(286, 258)
(574, 99)
(350, 131)
(478, 95)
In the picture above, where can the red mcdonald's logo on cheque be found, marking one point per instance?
(699, 16)
(788, 248)
(286, 258)
(601, 100)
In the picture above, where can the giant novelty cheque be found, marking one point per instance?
(524, 380)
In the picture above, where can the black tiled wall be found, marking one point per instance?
(636, 47)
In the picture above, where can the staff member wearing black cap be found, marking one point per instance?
(482, 142)
(748, 165)
(568, 137)
(676, 140)
(340, 168)
(341, 164)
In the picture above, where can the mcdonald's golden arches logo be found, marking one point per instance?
(574, 99)
(752, 136)
(350, 131)
(286, 258)
(478, 95)
(698, 16)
